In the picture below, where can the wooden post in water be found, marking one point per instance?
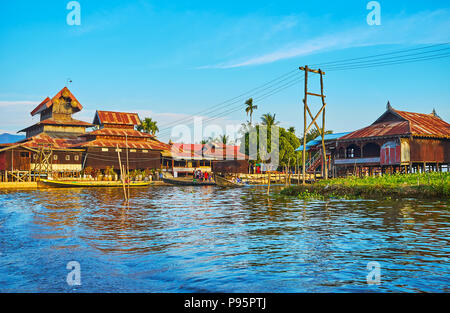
(268, 186)
(121, 175)
(324, 167)
(304, 125)
(128, 168)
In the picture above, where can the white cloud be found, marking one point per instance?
(16, 103)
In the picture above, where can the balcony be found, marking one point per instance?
(357, 161)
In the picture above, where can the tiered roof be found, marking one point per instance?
(75, 107)
(117, 130)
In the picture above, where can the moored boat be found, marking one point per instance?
(187, 182)
(74, 184)
(223, 182)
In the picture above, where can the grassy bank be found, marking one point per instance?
(426, 185)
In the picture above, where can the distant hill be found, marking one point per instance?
(8, 138)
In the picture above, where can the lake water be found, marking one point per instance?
(209, 239)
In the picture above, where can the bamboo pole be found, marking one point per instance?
(304, 126)
(324, 167)
(121, 175)
(268, 185)
(128, 167)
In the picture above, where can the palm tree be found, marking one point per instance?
(269, 120)
(250, 108)
(314, 133)
(224, 139)
(148, 126)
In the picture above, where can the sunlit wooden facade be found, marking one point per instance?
(398, 141)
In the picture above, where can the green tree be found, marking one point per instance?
(291, 129)
(314, 133)
(269, 120)
(249, 108)
(148, 126)
(287, 142)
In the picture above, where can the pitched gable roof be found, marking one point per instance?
(47, 103)
(118, 118)
(401, 123)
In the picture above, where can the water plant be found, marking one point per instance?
(417, 185)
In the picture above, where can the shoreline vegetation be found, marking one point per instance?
(396, 186)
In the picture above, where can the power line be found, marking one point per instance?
(239, 107)
(240, 96)
(399, 57)
(392, 62)
(344, 64)
(381, 54)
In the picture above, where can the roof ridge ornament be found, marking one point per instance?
(388, 106)
(435, 114)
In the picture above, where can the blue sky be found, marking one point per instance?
(171, 59)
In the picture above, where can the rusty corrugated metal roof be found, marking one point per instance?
(427, 125)
(119, 118)
(118, 132)
(131, 144)
(210, 150)
(404, 123)
(56, 143)
(47, 102)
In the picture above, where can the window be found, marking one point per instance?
(67, 157)
(105, 150)
(77, 157)
(144, 151)
(35, 156)
(133, 150)
(55, 157)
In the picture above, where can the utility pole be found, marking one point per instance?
(45, 160)
(306, 127)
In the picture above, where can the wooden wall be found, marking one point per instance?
(96, 158)
(230, 166)
(15, 159)
(430, 150)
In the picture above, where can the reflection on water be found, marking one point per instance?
(208, 239)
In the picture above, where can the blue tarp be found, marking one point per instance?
(318, 140)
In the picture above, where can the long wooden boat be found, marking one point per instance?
(187, 182)
(223, 182)
(73, 184)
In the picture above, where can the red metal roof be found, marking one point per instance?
(49, 102)
(427, 125)
(404, 124)
(105, 143)
(56, 143)
(210, 150)
(119, 118)
(119, 132)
